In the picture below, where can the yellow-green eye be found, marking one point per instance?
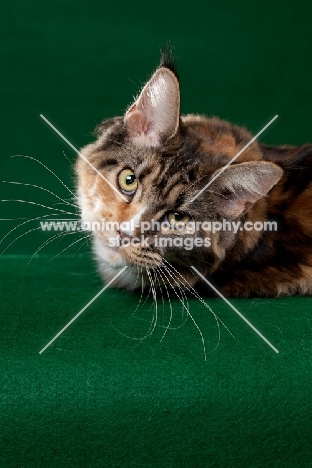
(178, 220)
(127, 182)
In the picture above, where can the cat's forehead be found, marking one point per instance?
(143, 161)
(135, 156)
(114, 144)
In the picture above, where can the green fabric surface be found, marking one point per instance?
(99, 397)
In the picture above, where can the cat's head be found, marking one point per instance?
(149, 165)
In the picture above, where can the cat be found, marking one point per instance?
(155, 163)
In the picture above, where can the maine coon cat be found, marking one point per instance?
(158, 161)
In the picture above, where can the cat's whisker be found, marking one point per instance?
(180, 289)
(82, 245)
(215, 317)
(180, 294)
(47, 242)
(189, 287)
(142, 288)
(168, 327)
(157, 275)
(178, 284)
(137, 277)
(193, 320)
(40, 188)
(38, 204)
(66, 203)
(142, 293)
(70, 162)
(158, 279)
(68, 247)
(22, 235)
(21, 224)
(154, 297)
(25, 222)
(141, 339)
(141, 297)
(77, 213)
(194, 293)
(47, 168)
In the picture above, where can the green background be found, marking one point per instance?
(93, 399)
(80, 62)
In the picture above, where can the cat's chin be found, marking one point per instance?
(110, 261)
(109, 255)
(129, 279)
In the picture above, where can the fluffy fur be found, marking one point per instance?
(173, 157)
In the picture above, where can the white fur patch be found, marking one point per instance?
(133, 223)
(110, 262)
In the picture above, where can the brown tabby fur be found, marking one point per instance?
(171, 168)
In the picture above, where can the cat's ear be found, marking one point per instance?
(155, 115)
(241, 185)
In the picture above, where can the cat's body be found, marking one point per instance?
(166, 160)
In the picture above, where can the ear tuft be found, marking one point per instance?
(168, 60)
(155, 115)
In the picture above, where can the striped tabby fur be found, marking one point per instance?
(173, 157)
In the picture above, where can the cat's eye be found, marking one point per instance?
(177, 219)
(127, 182)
